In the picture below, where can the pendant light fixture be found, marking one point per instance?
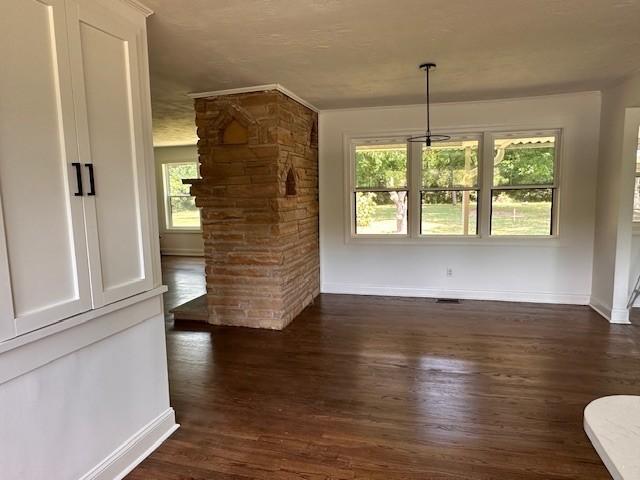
(428, 138)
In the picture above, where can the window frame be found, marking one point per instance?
(168, 225)
(486, 136)
(417, 153)
(554, 187)
(354, 189)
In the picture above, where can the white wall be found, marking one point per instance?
(634, 265)
(172, 242)
(613, 243)
(87, 391)
(634, 270)
(549, 270)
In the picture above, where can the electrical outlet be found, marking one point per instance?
(449, 272)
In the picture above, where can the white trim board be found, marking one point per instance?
(76, 320)
(134, 450)
(146, 11)
(255, 88)
(458, 102)
(286, 91)
(182, 252)
(618, 316)
(495, 295)
(48, 344)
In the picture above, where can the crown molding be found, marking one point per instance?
(146, 11)
(255, 88)
(593, 93)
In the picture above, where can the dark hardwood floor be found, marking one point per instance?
(185, 278)
(390, 388)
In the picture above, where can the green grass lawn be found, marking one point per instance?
(186, 218)
(521, 218)
(444, 219)
(441, 219)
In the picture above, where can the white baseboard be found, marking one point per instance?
(132, 452)
(600, 308)
(620, 316)
(503, 296)
(615, 315)
(183, 252)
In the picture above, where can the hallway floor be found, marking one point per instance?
(390, 388)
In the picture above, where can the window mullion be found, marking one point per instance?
(375, 189)
(525, 187)
(486, 183)
(415, 185)
(452, 189)
(351, 179)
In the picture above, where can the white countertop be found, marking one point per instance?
(613, 426)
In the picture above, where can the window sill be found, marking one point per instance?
(635, 229)
(182, 230)
(458, 240)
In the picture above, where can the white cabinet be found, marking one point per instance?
(43, 253)
(106, 79)
(71, 122)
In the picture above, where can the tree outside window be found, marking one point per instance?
(381, 189)
(457, 187)
(181, 209)
(449, 194)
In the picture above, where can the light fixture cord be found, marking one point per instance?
(428, 113)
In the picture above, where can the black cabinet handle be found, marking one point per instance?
(92, 183)
(78, 168)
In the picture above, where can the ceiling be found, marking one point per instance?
(358, 53)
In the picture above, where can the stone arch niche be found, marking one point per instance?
(313, 134)
(235, 134)
(290, 183)
(259, 199)
(231, 125)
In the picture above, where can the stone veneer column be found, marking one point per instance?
(258, 195)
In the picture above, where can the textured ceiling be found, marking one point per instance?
(339, 53)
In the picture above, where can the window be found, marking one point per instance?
(181, 210)
(449, 195)
(380, 189)
(523, 189)
(474, 185)
(636, 192)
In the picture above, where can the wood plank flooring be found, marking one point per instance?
(390, 388)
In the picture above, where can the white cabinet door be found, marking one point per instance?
(106, 83)
(44, 275)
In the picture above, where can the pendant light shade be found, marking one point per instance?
(428, 138)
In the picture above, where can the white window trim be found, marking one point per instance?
(557, 133)
(351, 184)
(485, 181)
(416, 153)
(166, 199)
